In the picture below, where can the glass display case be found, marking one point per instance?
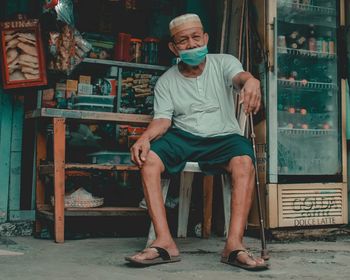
(302, 164)
(307, 121)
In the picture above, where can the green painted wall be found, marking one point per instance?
(5, 144)
(11, 126)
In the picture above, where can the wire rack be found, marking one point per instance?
(291, 12)
(305, 84)
(307, 53)
(300, 131)
(289, 4)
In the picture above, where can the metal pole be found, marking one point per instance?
(264, 251)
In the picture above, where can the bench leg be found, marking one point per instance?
(184, 202)
(226, 193)
(151, 234)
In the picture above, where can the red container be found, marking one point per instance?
(122, 46)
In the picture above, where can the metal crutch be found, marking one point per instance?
(264, 251)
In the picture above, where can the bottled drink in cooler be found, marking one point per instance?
(281, 43)
(319, 44)
(330, 43)
(307, 2)
(311, 38)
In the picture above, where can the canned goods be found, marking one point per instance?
(150, 50)
(135, 50)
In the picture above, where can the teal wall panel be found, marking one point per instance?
(11, 128)
(5, 149)
(15, 181)
(16, 155)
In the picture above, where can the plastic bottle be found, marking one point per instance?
(312, 39)
(319, 44)
(330, 43)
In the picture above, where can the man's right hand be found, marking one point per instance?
(139, 151)
(141, 148)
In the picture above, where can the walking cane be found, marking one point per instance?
(264, 251)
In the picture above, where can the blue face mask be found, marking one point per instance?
(195, 56)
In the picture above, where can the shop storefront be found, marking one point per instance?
(82, 88)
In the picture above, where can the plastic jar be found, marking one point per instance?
(150, 50)
(135, 50)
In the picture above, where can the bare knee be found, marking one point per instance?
(241, 167)
(152, 166)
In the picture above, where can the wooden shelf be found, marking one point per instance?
(59, 169)
(125, 64)
(89, 115)
(95, 212)
(71, 168)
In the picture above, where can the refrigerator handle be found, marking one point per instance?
(273, 49)
(342, 51)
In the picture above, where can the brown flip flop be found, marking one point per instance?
(232, 259)
(163, 257)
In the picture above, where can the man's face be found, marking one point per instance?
(188, 39)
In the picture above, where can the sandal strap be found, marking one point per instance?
(235, 253)
(164, 254)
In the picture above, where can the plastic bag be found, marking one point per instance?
(67, 49)
(66, 46)
(64, 10)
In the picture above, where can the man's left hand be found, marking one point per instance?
(251, 95)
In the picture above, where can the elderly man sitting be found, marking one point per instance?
(194, 120)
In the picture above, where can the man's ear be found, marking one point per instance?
(206, 38)
(173, 49)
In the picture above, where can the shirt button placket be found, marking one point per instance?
(200, 86)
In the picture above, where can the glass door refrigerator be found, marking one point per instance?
(304, 159)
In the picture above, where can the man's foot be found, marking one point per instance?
(241, 257)
(157, 253)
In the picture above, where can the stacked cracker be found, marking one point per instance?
(21, 55)
(141, 84)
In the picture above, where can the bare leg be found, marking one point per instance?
(151, 171)
(242, 173)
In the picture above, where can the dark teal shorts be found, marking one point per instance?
(176, 147)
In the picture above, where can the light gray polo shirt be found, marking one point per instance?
(204, 105)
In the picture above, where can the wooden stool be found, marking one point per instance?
(186, 180)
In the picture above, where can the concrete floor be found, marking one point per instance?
(103, 259)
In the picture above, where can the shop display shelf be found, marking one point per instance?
(82, 168)
(94, 99)
(137, 119)
(290, 4)
(291, 12)
(305, 84)
(90, 212)
(109, 157)
(93, 107)
(125, 64)
(306, 53)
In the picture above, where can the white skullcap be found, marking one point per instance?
(183, 22)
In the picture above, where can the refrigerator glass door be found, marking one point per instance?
(308, 91)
